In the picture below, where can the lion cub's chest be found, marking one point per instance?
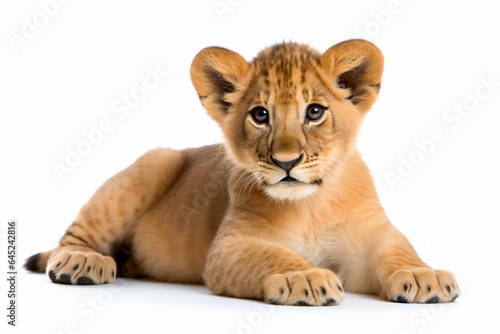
(306, 247)
(312, 241)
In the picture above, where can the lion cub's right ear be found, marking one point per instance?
(215, 73)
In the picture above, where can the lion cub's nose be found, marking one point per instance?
(288, 165)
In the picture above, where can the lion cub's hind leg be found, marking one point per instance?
(84, 254)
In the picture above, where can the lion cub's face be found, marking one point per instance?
(290, 117)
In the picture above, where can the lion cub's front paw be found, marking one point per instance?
(84, 268)
(421, 285)
(312, 287)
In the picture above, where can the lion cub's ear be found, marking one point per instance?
(215, 73)
(356, 65)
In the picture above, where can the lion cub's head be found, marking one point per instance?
(290, 116)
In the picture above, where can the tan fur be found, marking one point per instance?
(220, 215)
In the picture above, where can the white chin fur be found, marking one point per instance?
(285, 191)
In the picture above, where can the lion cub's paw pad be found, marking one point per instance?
(422, 285)
(77, 267)
(312, 287)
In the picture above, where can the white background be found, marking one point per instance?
(67, 75)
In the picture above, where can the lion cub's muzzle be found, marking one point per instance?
(287, 166)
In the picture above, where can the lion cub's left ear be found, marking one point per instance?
(215, 73)
(356, 65)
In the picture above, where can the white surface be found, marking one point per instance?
(69, 75)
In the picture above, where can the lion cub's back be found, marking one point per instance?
(172, 238)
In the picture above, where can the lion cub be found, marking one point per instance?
(284, 211)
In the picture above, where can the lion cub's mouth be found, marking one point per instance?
(290, 188)
(289, 179)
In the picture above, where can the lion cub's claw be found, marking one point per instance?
(312, 287)
(83, 268)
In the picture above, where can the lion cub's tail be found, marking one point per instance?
(38, 262)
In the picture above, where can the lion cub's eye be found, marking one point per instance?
(260, 115)
(315, 112)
